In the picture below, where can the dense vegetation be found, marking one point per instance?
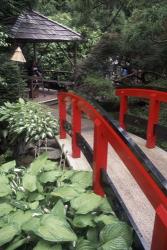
(46, 207)
(133, 32)
(23, 123)
(43, 206)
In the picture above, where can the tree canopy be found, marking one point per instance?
(131, 29)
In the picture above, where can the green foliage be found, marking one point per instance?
(29, 120)
(100, 89)
(3, 38)
(54, 57)
(11, 83)
(145, 33)
(82, 204)
(7, 233)
(54, 222)
(10, 8)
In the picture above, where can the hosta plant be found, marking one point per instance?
(26, 122)
(43, 207)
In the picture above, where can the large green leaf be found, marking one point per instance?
(86, 203)
(54, 229)
(5, 187)
(19, 217)
(16, 244)
(4, 179)
(106, 219)
(84, 178)
(76, 187)
(82, 221)
(115, 230)
(30, 182)
(67, 193)
(34, 205)
(105, 206)
(43, 245)
(85, 245)
(31, 225)
(7, 233)
(6, 167)
(92, 234)
(115, 244)
(39, 187)
(50, 176)
(50, 165)
(67, 174)
(3, 221)
(5, 190)
(59, 210)
(36, 197)
(20, 195)
(5, 208)
(37, 166)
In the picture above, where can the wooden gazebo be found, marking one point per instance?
(32, 27)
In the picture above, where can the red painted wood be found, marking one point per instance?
(155, 97)
(142, 177)
(76, 128)
(62, 115)
(143, 93)
(123, 110)
(154, 109)
(159, 240)
(104, 134)
(100, 150)
(146, 182)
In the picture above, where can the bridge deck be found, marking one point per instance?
(136, 202)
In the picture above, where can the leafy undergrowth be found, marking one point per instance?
(44, 207)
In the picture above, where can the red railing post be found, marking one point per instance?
(62, 115)
(76, 128)
(154, 108)
(99, 157)
(159, 239)
(123, 110)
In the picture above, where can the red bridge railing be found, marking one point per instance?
(155, 98)
(107, 131)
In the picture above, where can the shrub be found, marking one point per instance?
(26, 122)
(99, 89)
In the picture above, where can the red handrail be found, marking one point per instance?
(105, 133)
(155, 97)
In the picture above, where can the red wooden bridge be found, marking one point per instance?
(131, 177)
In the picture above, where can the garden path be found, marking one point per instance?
(141, 210)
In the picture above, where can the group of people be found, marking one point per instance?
(122, 69)
(118, 68)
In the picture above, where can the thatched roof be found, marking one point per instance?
(34, 27)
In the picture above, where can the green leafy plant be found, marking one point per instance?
(26, 122)
(45, 207)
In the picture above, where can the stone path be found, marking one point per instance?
(136, 202)
(141, 210)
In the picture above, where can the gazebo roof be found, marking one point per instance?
(34, 27)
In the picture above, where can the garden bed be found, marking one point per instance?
(47, 206)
